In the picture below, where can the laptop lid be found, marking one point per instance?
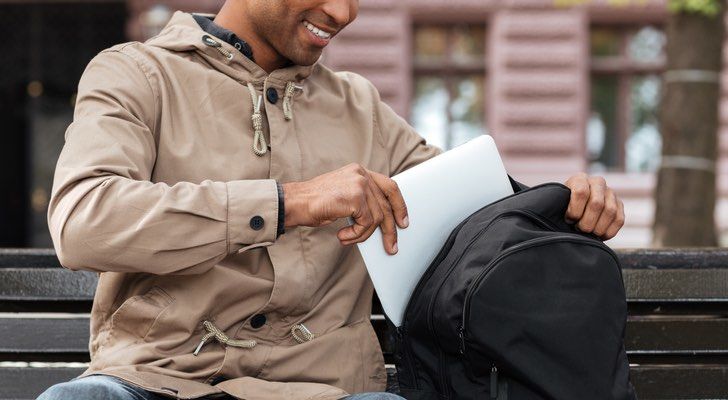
(439, 193)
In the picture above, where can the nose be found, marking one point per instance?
(342, 12)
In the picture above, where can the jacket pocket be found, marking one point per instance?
(137, 316)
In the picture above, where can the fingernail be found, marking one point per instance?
(394, 248)
(405, 221)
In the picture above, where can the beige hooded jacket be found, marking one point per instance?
(156, 188)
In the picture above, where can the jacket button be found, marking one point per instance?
(257, 222)
(257, 321)
(218, 379)
(272, 95)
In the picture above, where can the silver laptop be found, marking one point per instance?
(439, 193)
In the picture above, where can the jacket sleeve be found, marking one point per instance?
(406, 147)
(106, 215)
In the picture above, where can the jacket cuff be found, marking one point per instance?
(252, 213)
(281, 211)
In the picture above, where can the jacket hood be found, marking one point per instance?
(183, 34)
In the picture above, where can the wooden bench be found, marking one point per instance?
(677, 335)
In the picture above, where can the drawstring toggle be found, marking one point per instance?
(220, 336)
(259, 145)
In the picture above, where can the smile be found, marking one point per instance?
(316, 31)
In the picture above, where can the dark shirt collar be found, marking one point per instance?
(218, 31)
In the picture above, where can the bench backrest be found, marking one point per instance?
(677, 333)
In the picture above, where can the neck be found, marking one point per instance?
(233, 17)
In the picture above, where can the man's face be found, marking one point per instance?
(300, 29)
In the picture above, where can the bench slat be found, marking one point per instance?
(651, 382)
(676, 284)
(649, 274)
(689, 335)
(46, 284)
(29, 382)
(28, 258)
(59, 284)
(680, 382)
(674, 258)
(678, 336)
(668, 258)
(63, 335)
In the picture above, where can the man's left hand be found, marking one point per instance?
(594, 206)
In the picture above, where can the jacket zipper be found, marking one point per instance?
(561, 237)
(431, 305)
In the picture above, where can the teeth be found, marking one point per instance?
(316, 31)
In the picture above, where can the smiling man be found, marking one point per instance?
(206, 176)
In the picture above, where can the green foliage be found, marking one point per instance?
(710, 8)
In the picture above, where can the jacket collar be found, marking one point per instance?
(182, 33)
(208, 25)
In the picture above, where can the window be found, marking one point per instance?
(449, 83)
(622, 131)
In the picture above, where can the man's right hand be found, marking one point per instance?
(369, 198)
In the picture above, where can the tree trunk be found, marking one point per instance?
(685, 194)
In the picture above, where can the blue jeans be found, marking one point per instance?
(95, 387)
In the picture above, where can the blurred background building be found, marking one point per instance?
(560, 89)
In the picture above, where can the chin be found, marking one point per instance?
(305, 59)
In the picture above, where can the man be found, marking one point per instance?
(206, 176)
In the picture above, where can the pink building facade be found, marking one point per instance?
(561, 89)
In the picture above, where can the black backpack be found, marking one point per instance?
(517, 305)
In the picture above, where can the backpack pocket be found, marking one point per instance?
(544, 312)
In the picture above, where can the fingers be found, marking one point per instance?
(609, 213)
(594, 206)
(360, 213)
(368, 224)
(389, 230)
(394, 197)
(387, 208)
(580, 191)
(383, 218)
(618, 222)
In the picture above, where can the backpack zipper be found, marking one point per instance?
(401, 333)
(451, 239)
(431, 305)
(545, 223)
(441, 256)
(494, 382)
(402, 330)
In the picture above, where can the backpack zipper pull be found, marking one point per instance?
(494, 382)
(461, 335)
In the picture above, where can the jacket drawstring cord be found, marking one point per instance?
(288, 100)
(220, 336)
(301, 333)
(257, 118)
